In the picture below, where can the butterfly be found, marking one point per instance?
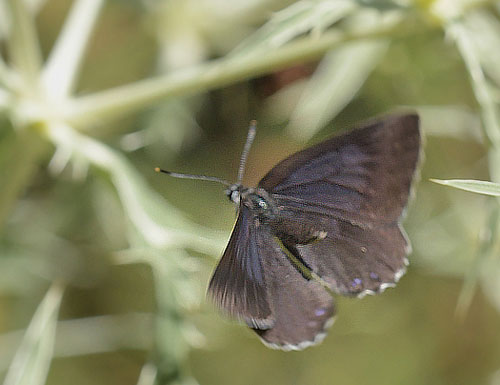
(326, 220)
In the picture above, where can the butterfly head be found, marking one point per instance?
(233, 192)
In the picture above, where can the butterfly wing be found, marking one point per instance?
(339, 206)
(238, 284)
(352, 259)
(256, 282)
(301, 307)
(341, 202)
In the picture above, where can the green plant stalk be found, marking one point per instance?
(24, 48)
(491, 127)
(62, 66)
(19, 158)
(148, 374)
(34, 356)
(171, 346)
(478, 81)
(124, 177)
(4, 74)
(486, 246)
(126, 99)
(346, 68)
(130, 330)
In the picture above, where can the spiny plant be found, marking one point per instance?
(43, 118)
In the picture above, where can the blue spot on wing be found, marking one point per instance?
(319, 312)
(374, 276)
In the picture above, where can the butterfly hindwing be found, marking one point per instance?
(353, 259)
(301, 307)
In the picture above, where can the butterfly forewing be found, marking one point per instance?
(269, 293)
(238, 284)
(366, 173)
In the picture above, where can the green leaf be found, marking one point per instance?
(31, 363)
(449, 121)
(334, 84)
(484, 30)
(471, 56)
(297, 19)
(476, 186)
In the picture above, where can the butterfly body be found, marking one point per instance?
(257, 200)
(264, 211)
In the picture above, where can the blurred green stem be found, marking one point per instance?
(32, 361)
(488, 239)
(63, 64)
(130, 98)
(491, 124)
(5, 74)
(19, 158)
(83, 336)
(129, 184)
(24, 49)
(478, 82)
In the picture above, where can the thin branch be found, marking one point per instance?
(159, 228)
(65, 59)
(32, 360)
(126, 99)
(478, 81)
(83, 336)
(24, 48)
(19, 157)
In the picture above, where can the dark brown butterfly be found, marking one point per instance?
(324, 220)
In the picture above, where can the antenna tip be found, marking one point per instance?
(157, 169)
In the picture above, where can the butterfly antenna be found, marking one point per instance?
(244, 155)
(197, 177)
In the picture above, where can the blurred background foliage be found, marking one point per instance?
(104, 264)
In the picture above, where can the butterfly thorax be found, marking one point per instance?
(265, 211)
(257, 200)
